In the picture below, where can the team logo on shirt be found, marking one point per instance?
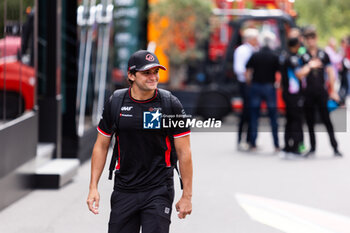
(151, 120)
(126, 108)
(167, 210)
(306, 57)
(294, 60)
(151, 109)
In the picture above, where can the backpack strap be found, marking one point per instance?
(116, 104)
(167, 108)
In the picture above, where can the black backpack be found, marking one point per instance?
(116, 104)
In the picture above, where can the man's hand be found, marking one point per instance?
(315, 63)
(334, 96)
(248, 76)
(93, 200)
(183, 149)
(184, 207)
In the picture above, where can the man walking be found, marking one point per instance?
(241, 57)
(143, 189)
(263, 66)
(315, 63)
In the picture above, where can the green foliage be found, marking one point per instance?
(331, 17)
(186, 28)
(13, 12)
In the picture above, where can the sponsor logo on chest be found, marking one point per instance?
(294, 60)
(126, 108)
(125, 111)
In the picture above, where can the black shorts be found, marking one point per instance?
(150, 210)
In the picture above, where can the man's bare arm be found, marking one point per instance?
(248, 75)
(183, 149)
(331, 76)
(98, 160)
(306, 69)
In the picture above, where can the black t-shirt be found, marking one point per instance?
(315, 80)
(144, 153)
(290, 83)
(265, 64)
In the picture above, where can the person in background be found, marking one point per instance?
(262, 66)
(296, 33)
(292, 96)
(314, 64)
(347, 50)
(344, 75)
(334, 57)
(241, 57)
(345, 47)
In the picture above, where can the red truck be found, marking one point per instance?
(17, 80)
(223, 89)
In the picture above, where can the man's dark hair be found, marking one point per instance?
(309, 31)
(132, 72)
(292, 42)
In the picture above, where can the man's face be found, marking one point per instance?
(253, 41)
(311, 41)
(146, 80)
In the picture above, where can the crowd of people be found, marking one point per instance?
(312, 79)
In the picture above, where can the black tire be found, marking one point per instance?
(213, 104)
(14, 105)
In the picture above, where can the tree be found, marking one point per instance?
(331, 17)
(183, 27)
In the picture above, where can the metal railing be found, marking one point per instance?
(89, 14)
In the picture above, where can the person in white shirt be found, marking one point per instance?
(334, 56)
(240, 59)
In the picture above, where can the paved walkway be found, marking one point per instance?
(221, 176)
